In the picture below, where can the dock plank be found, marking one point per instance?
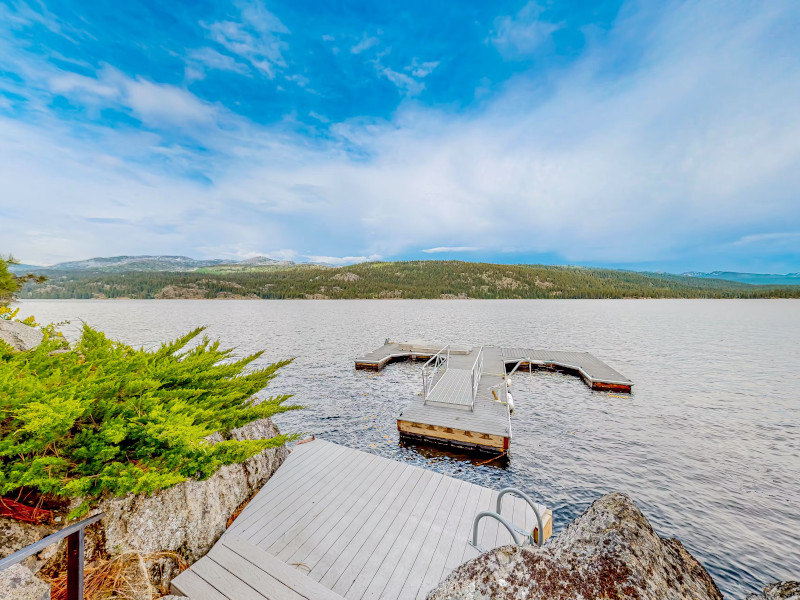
(420, 553)
(337, 517)
(190, 584)
(361, 526)
(414, 506)
(294, 517)
(450, 532)
(256, 577)
(349, 562)
(280, 571)
(302, 474)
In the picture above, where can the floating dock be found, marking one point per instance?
(465, 400)
(336, 523)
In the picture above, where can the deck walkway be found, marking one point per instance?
(334, 522)
(451, 415)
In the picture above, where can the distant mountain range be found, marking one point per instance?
(168, 277)
(184, 264)
(124, 264)
(751, 278)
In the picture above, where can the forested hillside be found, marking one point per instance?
(414, 279)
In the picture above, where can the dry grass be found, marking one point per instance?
(115, 577)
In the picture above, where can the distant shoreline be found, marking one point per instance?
(440, 280)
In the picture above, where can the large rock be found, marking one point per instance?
(15, 535)
(19, 583)
(188, 518)
(20, 336)
(785, 590)
(610, 551)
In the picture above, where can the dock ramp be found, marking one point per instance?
(335, 523)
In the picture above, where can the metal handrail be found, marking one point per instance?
(438, 360)
(75, 544)
(524, 496)
(477, 367)
(506, 524)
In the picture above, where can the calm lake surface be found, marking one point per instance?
(708, 445)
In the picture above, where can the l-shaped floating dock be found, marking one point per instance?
(465, 400)
(335, 523)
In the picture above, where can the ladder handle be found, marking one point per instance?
(506, 524)
(524, 496)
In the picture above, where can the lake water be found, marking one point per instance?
(708, 444)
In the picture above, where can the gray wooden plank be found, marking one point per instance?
(335, 513)
(418, 521)
(222, 579)
(348, 517)
(270, 507)
(299, 469)
(501, 537)
(285, 574)
(190, 584)
(483, 504)
(352, 585)
(411, 568)
(272, 495)
(295, 514)
(255, 575)
(464, 530)
(520, 509)
(348, 563)
(435, 566)
(488, 537)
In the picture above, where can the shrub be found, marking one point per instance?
(104, 418)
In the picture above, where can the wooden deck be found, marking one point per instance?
(594, 372)
(450, 415)
(334, 522)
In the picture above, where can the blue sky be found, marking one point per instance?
(647, 135)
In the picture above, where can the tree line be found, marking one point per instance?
(409, 279)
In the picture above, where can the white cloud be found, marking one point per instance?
(365, 44)
(408, 84)
(152, 103)
(772, 239)
(255, 37)
(342, 260)
(200, 60)
(423, 69)
(440, 249)
(522, 34)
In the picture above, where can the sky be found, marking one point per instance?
(643, 135)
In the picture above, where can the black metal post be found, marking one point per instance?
(75, 565)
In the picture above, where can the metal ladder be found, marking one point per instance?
(521, 537)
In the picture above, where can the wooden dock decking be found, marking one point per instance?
(335, 523)
(452, 414)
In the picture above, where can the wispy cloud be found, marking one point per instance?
(522, 34)
(201, 60)
(440, 249)
(153, 103)
(342, 260)
(365, 43)
(256, 36)
(776, 239)
(405, 82)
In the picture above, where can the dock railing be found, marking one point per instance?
(75, 544)
(477, 367)
(436, 364)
